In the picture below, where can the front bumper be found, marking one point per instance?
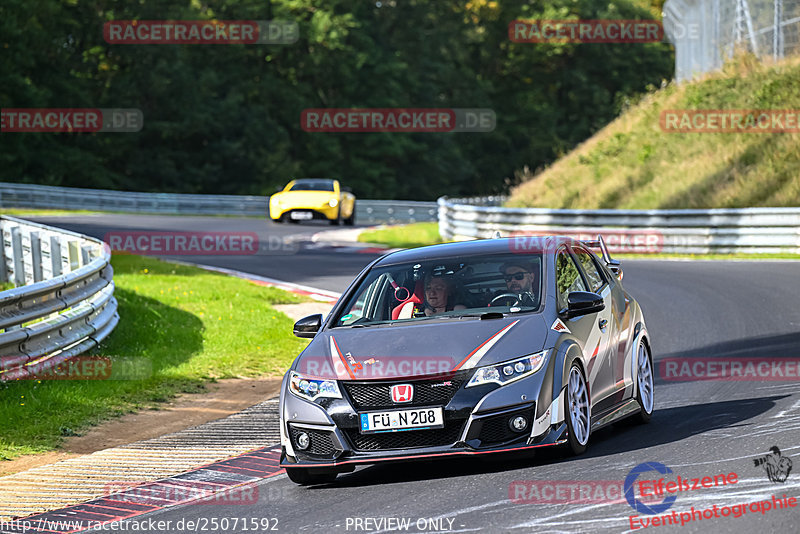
(555, 436)
(476, 423)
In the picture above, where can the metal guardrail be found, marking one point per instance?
(64, 303)
(696, 231)
(14, 195)
(395, 211)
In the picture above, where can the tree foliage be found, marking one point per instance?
(225, 119)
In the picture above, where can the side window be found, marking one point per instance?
(593, 276)
(568, 278)
(367, 305)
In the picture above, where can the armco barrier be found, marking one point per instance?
(64, 303)
(696, 231)
(13, 195)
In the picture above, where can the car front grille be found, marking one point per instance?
(372, 395)
(407, 439)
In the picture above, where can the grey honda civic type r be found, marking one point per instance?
(471, 348)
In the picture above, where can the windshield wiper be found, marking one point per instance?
(482, 315)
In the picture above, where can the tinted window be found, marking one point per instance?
(312, 185)
(593, 276)
(568, 278)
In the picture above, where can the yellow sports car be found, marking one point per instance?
(313, 198)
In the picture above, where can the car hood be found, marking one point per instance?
(422, 349)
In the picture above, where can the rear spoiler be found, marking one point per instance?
(613, 265)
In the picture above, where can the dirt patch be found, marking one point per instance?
(223, 398)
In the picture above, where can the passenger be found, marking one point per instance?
(439, 296)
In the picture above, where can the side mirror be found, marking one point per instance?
(347, 189)
(583, 303)
(308, 326)
(278, 189)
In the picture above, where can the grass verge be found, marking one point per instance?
(30, 212)
(182, 325)
(404, 236)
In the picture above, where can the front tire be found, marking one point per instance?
(578, 411)
(338, 220)
(645, 392)
(304, 478)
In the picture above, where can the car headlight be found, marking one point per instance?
(510, 371)
(333, 202)
(311, 389)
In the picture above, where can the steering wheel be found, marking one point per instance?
(507, 296)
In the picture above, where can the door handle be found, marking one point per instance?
(603, 323)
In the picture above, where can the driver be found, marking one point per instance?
(520, 277)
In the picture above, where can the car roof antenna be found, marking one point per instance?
(497, 235)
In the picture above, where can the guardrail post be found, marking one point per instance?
(73, 255)
(51, 257)
(86, 254)
(18, 269)
(32, 257)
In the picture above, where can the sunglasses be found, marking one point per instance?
(515, 276)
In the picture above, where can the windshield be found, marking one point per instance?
(445, 288)
(312, 185)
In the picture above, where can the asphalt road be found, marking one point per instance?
(699, 428)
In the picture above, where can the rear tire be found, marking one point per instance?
(645, 392)
(351, 221)
(304, 478)
(577, 410)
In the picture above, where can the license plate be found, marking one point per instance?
(301, 215)
(398, 420)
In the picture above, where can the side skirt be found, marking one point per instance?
(625, 409)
